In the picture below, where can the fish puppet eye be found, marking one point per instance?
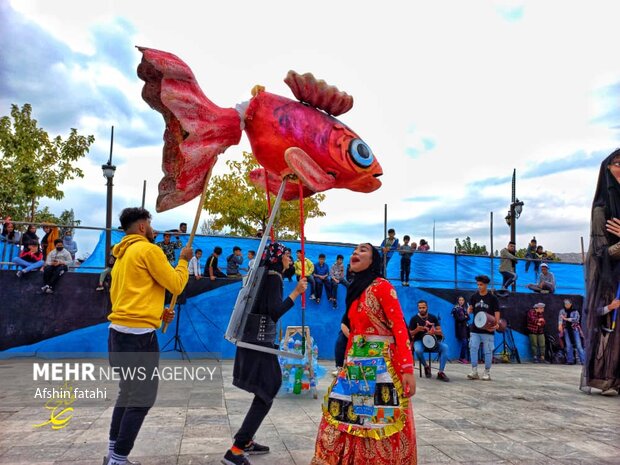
(360, 153)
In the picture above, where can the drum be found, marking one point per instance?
(484, 320)
(430, 342)
(503, 324)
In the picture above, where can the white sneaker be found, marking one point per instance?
(486, 376)
(473, 374)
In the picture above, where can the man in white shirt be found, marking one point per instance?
(194, 265)
(56, 265)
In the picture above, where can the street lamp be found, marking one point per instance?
(516, 208)
(108, 173)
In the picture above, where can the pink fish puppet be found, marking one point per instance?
(301, 138)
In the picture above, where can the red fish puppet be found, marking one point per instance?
(301, 138)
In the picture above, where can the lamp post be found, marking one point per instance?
(516, 207)
(108, 173)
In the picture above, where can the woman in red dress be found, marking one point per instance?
(367, 414)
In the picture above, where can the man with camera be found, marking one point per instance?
(426, 333)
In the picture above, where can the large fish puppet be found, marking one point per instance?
(287, 137)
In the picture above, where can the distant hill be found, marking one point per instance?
(570, 257)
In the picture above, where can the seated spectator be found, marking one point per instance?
(546, 281)
(291, 268)
(29, 259)
(536, 330)
(70, 244)
(309, 272)
(424, 247)
(169, 247)
(389, 246)
(47, 243)
(56, 265)
(533, 257)
(321, 279)
(30, 236)
(570, 330)
(10, 234)
(106, 271)
(336, 274)
(507, 265)
(194, 265)
(211, 268)
(420, 325)
(233, 261)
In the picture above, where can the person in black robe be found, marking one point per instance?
(602, 368)
(259, 372)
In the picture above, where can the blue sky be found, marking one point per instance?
(450, 97)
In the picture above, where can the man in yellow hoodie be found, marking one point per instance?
(140, 276)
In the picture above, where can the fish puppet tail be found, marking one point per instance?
(197, 130)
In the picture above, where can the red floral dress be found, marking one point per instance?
(376, 438)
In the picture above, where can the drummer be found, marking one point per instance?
(424, 324)
(482, 301)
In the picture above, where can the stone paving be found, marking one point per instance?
(528, 414)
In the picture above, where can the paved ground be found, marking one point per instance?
(528, 414)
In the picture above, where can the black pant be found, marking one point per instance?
(340, 349)
(253, 419)
(405, 269)
(51, 274)
(137, 394)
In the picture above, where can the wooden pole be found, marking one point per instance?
(173, 301)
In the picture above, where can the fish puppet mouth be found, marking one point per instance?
(366, 183)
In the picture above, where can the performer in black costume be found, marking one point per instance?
(259, 372)
(602, 370)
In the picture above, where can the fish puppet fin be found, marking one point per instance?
(197, 130)
(308, 171)
(317, 93)
(291, 191)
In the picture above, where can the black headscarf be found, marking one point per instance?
(272, 257)
(364, 278)
(607, 195)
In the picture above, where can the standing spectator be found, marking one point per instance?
(194, 265)
(259, 233)
(169, 247)
(56, 265)
(536, 330)
(482, 301)
(233, 261)
(252, 259)
(70, 244)
(570, 330)
(321, 279)
(309, 272)
(405, 251)
(388, 247)
(30, 236)
(183, 228)
(461, 327)
(507, 265)
(530, 254)
(106, 271)
(30, 259)
(424, 247)
(540, 253)
(10, 234)
(337, 276)
(211, 268)
(546, 281)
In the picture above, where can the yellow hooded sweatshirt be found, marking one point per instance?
(140, 275)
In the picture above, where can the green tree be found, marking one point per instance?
(238, 205)
(33, 166)
(466, 247)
